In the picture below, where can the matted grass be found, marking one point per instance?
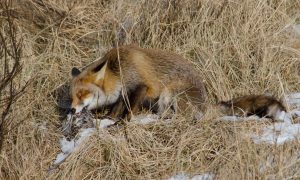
(239, 47)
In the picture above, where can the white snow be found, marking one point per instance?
(184, 176)
(292, 99)
(180, 176)
(278, 133)
(60, 158)
(67, 147)
(203, 177)
(236, 118)
(281, 132)
(229, 118)
(282, 117)
(104, 123)
(293, 95)
(295, 112)
(296, 28)
(293, 29)
(145, 118)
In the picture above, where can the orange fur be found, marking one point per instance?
(159, 72)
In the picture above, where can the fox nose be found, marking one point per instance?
(73, 110)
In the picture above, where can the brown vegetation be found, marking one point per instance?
(239, 47)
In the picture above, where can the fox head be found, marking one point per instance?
(88, 89)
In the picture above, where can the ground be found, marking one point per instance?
(238, 47)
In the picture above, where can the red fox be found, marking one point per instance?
(141, 74)
(260, 105)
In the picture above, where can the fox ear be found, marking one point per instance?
(99, 67)
(100, 70)
(75, 72)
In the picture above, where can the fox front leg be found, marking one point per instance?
(117, 110)
(136, 100)
(123, 109)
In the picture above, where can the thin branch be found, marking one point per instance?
(10, 54)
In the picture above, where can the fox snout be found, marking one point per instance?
(76, 110)
(75, 106)
(78, 107)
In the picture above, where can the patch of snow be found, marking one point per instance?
(295, 112)
(145, 118)
(236, 118)
(296, 28)
(285, 117)
(293, 95)
(60, 158)
(203, 177)
(67, 147)
(103, 123)
(229, 118)
(181, 176)
(280, 132)
(84, 133)
(293, 29)
(282, 116)
(184, 176)
(293, 101)
(277, 133)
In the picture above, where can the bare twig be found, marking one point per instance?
(10, 53)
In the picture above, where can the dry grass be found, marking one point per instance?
(239, 47)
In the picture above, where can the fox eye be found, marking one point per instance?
(79, 94)
(82, 94)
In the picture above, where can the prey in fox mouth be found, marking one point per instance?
(74, 121)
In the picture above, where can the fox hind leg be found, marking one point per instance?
(166, 101)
